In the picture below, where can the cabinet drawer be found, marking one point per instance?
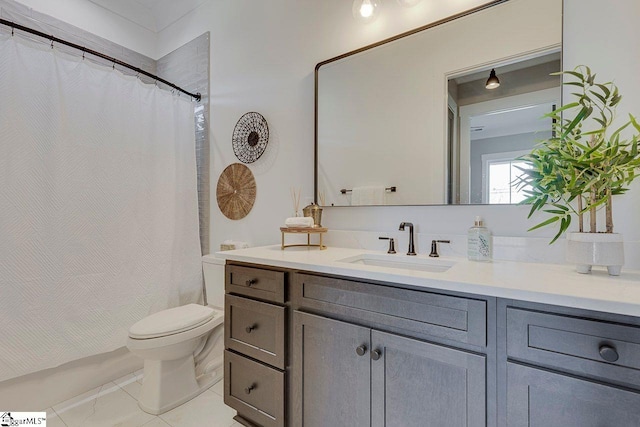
(422, 313)
(256, 329)
(254, 390)
(255, 282)
(604, 350)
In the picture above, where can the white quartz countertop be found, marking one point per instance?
(541, 283)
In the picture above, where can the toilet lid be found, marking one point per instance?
(171, 321)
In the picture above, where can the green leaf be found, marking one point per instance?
(575, 121)
(554, 211)
(604, 89)
(565, 107)
(545, 223)
(574, 73)
(600, 97)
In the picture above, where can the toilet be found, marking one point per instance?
(182, 347)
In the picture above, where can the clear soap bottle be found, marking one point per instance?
(479, 242)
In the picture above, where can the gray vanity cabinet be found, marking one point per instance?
(418, 384)
(569, 368)
(539, 398)
(255, 335)
(350, 375)
(333, 375)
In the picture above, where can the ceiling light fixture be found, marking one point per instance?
(492, 81)
(365, 10)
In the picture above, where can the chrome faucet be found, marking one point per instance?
(412, 249)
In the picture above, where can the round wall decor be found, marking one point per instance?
(236, 191)
(250, 137)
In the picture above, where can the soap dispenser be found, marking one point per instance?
(479, 242)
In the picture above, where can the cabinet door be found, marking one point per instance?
(331, 372)
(414, 383)
(537, 398)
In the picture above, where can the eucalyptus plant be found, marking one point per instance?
(586, 161)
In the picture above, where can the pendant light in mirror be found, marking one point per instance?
(365, 11)
(492, 81)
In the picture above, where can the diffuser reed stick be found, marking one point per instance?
(295, 197)
(321, 198)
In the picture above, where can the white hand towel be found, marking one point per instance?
(299, 222)
(369, 195)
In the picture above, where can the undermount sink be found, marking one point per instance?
(402, 262)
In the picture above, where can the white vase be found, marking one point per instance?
(589, 249)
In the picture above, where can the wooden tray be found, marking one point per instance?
(306, 230)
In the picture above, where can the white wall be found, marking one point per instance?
(604, 35)
(262, 59)
(99, 21)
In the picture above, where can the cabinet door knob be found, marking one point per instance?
(608, 353)
(376, 355)
(251, 282)
(361, 350)
(250, 388)
(251, 328)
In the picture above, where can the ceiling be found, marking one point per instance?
(511, 122)
(154, 15)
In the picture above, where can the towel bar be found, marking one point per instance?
(389, 189)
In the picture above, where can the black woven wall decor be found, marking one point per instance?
(250, 137)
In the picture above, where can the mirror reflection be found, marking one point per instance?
(411, 122)
(496, 125)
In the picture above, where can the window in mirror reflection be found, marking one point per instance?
(500, 175)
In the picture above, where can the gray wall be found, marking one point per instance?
(188, 67)
(531, 79)
(524, 141)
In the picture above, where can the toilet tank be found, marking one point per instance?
(213, 269)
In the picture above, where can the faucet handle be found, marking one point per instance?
(434, 247)
(392, 246)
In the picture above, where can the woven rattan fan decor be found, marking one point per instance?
(236, 191)
(250, 137)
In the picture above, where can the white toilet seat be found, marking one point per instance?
(184, 334)
(171, 321)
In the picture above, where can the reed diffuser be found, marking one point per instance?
(295, 197)
(321, 198)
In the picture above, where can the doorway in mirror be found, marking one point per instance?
(494, 127)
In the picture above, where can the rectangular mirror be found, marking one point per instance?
(409, 120)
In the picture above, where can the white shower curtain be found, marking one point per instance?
(98, 206)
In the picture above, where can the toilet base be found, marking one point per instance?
(168, 384)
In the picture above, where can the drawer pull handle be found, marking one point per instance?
(608, 353)
(249, 389)
(376, 355)
(361, 350)
(251, 282)
(251, 328)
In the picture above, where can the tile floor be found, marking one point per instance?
(115, 404)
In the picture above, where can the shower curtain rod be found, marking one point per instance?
(13, 25)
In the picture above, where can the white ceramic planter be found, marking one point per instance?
(589, 249)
